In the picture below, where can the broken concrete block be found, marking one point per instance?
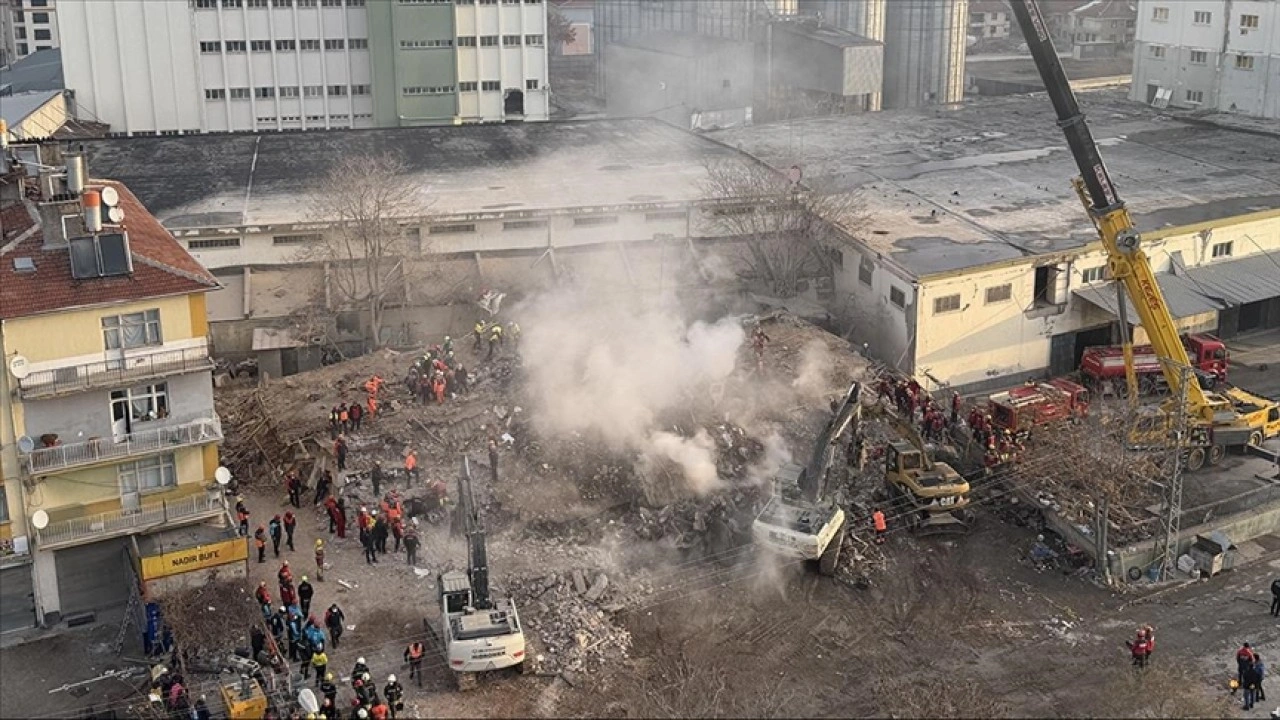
(579, 582)
(597, 588)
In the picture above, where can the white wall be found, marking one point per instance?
(511, 66)
(132, 64)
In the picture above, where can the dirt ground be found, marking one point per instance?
(692, 622)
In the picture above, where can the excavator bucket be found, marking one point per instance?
(943, 524)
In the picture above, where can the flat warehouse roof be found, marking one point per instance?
(224, 180)
(950, 188)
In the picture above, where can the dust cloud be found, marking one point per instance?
(611, 367)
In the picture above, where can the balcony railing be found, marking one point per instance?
(113, 373)
(142, 442)
(123, 522)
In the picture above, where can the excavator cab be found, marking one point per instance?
(935, 492)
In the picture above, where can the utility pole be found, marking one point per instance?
(1172, 518)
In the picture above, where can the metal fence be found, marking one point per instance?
(110, 373)
(124, 521)
(94, 450)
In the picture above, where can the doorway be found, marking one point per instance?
(513, 103)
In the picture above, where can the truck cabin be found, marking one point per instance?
(455, 591)
(1207, 352)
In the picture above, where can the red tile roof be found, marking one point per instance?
(161, 266)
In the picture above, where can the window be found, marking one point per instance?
(1157, 51)
(488, 41)
(897, 297)
(510, 40)
(152, 473)
(487, 2)
(236, 46)
(425, 44)
(258, 3)
(4, 506)
(1222, 249)
(1199, 57)
(330, 3)
(866, 269)
(360, 89)
(213, 243)
(206, 4)
(535, 40)
(232, 3)
(306, 3)
(215, 94)
(467, 86)
(428, 90)
(289, 91)
(999, 293)
(949, 303)
(337, 91)
(452, 229)
(209, 47)
(264, 93)
(490, 85)
(134, 330)
(298, 239)
(1093, 274)
(286, 45)
(1200, 17)
(309, 44)
(595, 220)
(1246, 21)
(313, 91)
(358, 44)
(1050, 286)
(38, 3)
(524, 224)
(260, 45)
(43, 34)
(664, 215)
(43, 19)
(1160, 14)
(467, 41)
(1244, 62)
(1195, 96)
(140, 404)
(531, 84)
(335, 44)
(282, 3)
(355, 3)
(239, 93)
(20, 33)
(22, 48)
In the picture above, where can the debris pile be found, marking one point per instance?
(569, 614)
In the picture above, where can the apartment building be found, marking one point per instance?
(1214, 54)
(1101, 28)
(30, 25)
(108, 433)
(263, 65)
(989, 19)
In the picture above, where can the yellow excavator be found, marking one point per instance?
(1212, 422)
(930, 495)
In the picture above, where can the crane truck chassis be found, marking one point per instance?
(479, 632)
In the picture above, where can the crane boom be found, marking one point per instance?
(1125, 258)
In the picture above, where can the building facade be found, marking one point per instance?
(107, 427)
(30, 26)
(262, 65)
(989, 19)
(1101, 29)
(1214, 54)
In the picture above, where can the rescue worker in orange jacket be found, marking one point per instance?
(880, 525)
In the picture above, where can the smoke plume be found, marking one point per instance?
(611, 367)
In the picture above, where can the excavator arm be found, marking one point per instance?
(1125, 258)
(815, 476)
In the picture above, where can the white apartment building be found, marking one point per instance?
(147, 67)
(1218, 54)
(31, 25)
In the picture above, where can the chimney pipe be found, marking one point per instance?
(75, 172)
(92, 203)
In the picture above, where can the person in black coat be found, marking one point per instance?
(1275, 598)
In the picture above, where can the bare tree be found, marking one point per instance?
(367, 199)
(560, 31)
(790, 231)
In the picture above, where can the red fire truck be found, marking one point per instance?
(1036, 404)
(1102, 367)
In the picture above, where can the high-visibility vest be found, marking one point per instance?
(878, 518)
(410, 461)
(415, 651)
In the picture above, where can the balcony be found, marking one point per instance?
(101, 526)
(144, 442)
(114, 373)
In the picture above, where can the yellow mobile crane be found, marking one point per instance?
(1214, 421)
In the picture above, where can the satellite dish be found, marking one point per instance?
(110, 197)
(116, 215)
(26, 444)
(19, 367)
(222, 475)
(40, 519)
(307, 700)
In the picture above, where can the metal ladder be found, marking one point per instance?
(130, 612)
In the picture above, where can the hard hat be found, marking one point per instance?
(319, 542)
(365, 677)
(286, 563)
(415, 522)
(362, 713)
(304, 578)
(282, 609)
(447, 338)
(391, 678)
(328, 676)
(359, 661)
(262, 584)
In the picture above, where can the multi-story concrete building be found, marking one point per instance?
(1219, 54)
(1100, 29)
(989, 19)
(107, 427)
(29, 26)
(233, 65)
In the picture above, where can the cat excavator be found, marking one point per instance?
(1208, 423)
(930, 496)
